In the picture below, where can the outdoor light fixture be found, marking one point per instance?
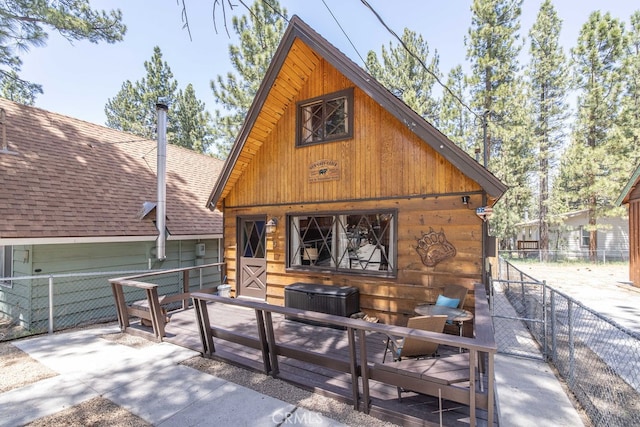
(465, 200)
(272, 224)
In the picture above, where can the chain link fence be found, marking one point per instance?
(33, 305)
(561, 256)
(598, 358)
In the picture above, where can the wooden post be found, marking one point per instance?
(204, 326)
(185, 289)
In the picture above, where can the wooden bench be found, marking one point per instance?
(150, 310)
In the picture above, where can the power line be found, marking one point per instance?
(345, 34)
(420, 61)
(380, 19)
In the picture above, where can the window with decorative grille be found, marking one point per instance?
(326, 118)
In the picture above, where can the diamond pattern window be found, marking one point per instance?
(362, 243)
(326, 118)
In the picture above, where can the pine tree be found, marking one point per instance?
(24, 23)
(15, 89)
(192, 121)
(259, 35)
(498, 98)
(405, 76)
(548, 86)
(455, 120)
(628, 129)
(493, 52)
(594, 158)
(133, 109)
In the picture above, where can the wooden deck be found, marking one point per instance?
(343, 362)
(414, 409)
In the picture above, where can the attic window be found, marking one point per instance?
(325, 118)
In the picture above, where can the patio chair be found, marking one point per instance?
(456, 291)
(411, 347)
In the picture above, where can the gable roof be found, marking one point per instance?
(300, 50)
(67, 180)
(626, 191)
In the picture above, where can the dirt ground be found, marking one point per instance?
(603, 288)
(570, 275)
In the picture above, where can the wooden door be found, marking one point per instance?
(252, 258)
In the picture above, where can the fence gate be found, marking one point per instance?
(517, 307)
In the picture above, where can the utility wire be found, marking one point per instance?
(345, 34)
(403, 44)
(375, 13)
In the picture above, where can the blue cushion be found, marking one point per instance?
(448, 302)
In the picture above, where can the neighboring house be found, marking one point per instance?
(334, 180)
(71, 200)
(631, 196)
(570, 239)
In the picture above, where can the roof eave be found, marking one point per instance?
(254, 111)
(626, 191)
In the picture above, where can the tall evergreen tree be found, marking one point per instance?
(192, 121)
(628, 130)
(590, 174)
(455, 120)
(548, 80)
(497, 96)
(133, 109)
(24, 23)
(259, 35)
(493, 52)
(402, 72)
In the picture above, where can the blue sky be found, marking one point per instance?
(79, 78)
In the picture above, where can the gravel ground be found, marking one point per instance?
(18, 369)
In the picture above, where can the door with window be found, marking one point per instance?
(252, 258)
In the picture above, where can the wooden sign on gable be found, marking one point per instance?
(324, 170)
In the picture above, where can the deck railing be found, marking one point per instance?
(150, 308)
(480, 351)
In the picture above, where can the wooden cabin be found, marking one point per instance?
(333, 180)
(631, 196)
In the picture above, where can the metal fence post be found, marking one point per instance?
(491, 298)
(522, 293)
(570, 374)
(50, 304)
(554, 354)
(545, 349)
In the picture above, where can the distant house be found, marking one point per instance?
(71, 201)
(335, 181)
(631, 196)
(570, 239)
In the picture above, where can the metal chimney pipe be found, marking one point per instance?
(161, 207)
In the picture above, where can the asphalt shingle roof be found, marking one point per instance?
(64, 177)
